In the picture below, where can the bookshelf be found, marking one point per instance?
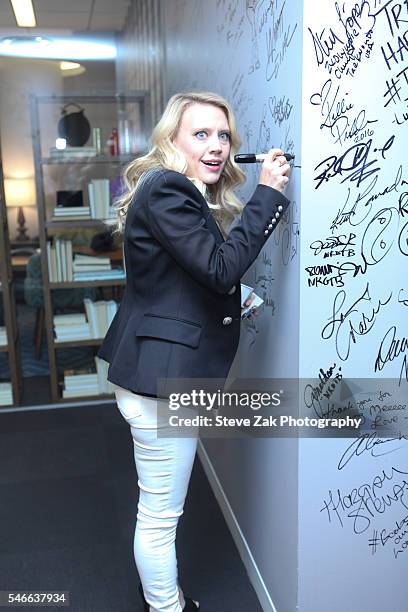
(10, 390)
(62, 264)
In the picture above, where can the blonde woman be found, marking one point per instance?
(180, 313)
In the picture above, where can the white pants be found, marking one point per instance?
(163, 467)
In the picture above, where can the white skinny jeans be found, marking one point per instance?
(163, 467)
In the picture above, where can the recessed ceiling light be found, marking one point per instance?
(57, 48)
(24, 13)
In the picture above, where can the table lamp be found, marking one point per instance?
(20, 192)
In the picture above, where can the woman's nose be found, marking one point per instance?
(215, 144)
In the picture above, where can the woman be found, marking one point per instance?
(180, 313)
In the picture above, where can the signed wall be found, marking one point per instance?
(250, 52)
(353, 530)
(326, 521)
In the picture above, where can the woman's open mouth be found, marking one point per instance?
(213, 166)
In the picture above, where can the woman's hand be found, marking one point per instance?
(275, 170)
(248, 302)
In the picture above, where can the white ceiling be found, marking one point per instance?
(72, 15)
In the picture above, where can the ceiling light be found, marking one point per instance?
(57, 48)
(24, 13)
(71, 69)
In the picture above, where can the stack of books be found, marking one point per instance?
(88, 267)
(100, 199)
(85, 382)
(100, 315)
(73, 152)
(71, 213)
(80, 384)
(6, 394)
(3, 336)
(59, 258)
(69, 327)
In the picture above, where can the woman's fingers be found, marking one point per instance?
(250, 299)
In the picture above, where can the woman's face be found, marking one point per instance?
(204, 138)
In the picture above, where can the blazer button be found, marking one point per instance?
(270, 226)
(280, 208)
(227, 321)
(232, 290)
(266, 232)
(277, 215)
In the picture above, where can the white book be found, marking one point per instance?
(91, 197)
(73, 383)
(102, 372)
(92, 384)
(53, 263)
(77, 338)
(80, 392)
(101, 197)
(72, 330)
(3, 336)
(69, 261)
(93, 259)
(68, 319)
(92, 317)
(72, 379)
(71, 210)
(112, 309)
(68, 331)
(102, 318)
(99, 275)
(49, 263)
(59, 259)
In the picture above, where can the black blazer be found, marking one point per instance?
(180, 312)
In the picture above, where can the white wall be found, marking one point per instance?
(19, 78)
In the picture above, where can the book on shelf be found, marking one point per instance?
(71, 327)
(99, 198)
(89, 263)
(115, 273)
(100, 315)
(59, 258)
(64, 267)
(3, 336)
(88, 383)
(73, 213)
(6, 393)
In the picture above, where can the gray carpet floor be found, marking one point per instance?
(68, 490)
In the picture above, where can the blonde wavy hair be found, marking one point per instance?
(163, 154)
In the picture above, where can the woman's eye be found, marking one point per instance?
(201, 135)
(225, 136)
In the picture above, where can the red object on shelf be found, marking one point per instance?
(114, 142)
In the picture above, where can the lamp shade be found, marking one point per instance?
(19, 191)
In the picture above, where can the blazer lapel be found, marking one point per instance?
(209, 219)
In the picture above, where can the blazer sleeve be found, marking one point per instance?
(176, 220)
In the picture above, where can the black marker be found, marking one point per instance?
(252, 158)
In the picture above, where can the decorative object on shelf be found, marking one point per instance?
(113, 142)
(96, 140)
(70, 198)
(103, 241)
(20, 193)
(74, 126)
